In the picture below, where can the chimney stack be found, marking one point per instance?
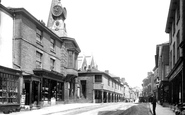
(107, 71)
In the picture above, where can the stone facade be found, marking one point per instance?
(48, 62)
(175, 28)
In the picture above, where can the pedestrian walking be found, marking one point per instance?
(153, 101)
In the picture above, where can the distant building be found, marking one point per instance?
(126, 92)
(148, 85)
(161, 72)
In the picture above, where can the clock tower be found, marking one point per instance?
(57, 16)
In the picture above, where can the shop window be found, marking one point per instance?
(53, 89)
(8, 89)
(71, 88)
(98, 78)
(45, 90)
(60, 90)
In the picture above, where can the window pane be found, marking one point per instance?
(70, 58)
(52, 63)
(38, 35)
(98, 78)
(52, 43)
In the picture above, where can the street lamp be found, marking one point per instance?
(102, 91)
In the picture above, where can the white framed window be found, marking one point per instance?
(52, 46)
(70, 59)
(52, 64)
(98, 78)
(38, 59)
(39, 35)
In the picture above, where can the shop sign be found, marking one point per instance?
(23, 97)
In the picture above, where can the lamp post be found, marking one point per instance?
(102, 91)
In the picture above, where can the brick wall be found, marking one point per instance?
(26, 46)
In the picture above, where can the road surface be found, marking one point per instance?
(103, 109)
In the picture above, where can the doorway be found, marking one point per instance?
(35, 96)
(83, 86)
(32, 92)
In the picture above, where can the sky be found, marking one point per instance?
(120, 34)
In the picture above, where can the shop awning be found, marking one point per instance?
(49, 74)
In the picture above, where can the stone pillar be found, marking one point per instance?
(110, 97)
(113, 95)
(107, 99)
(93, 93)
(66, 92)
(30, 92)
(102, 96)
(39, 92)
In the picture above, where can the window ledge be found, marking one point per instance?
(53, 51)
(39, 43)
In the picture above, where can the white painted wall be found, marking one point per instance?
(6, 36)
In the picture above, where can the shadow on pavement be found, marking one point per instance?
(117, 112)
(141, 109)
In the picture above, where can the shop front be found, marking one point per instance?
(51, 86)
(176, 92)
(164, 92)
(31, 90)
(9, 89)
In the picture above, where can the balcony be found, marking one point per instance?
(71, 71)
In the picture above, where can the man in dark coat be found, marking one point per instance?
(153, 101)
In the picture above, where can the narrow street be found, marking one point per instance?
(103, 109)
(80, 109)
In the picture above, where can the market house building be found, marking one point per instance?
(99, 87)
(47, 61)
(96, 86)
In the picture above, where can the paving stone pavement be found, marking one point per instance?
(160, 110)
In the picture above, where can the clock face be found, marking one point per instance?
(57, 10)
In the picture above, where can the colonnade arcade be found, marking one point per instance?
(103, 96)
